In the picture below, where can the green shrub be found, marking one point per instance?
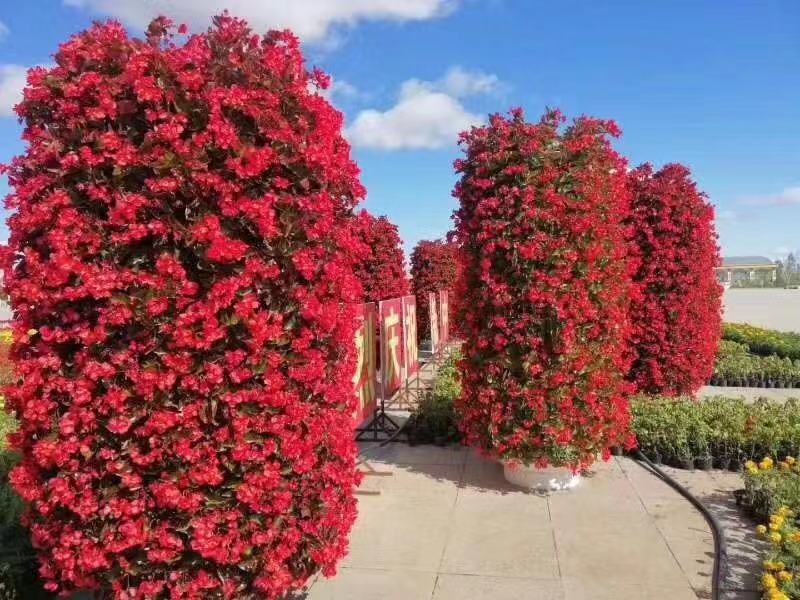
(729, 430)
(772, 494)
(737, 366)
(18, 564)
(764, 342)
(434, 419)
(768, 486)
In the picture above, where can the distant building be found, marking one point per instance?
(747, 271)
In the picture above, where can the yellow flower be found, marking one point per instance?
(785, 511)
(752, 470)
(761, 529)
(785, 576)
(766, 464)
(776, 522)
(750, 465)
(775, 537)
(768, 581)
(795, 537)
(784, 466)
(791, 460)
(776, 594)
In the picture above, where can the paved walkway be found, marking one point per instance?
(771, 308)
(745, 550)
(446, 526)
(749, 393)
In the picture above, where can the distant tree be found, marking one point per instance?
(791, 269)
(381, 264)
(780, 274)
(433, 268)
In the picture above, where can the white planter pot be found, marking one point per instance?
(549, 479)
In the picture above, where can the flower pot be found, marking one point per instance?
(735, 464)
(704, 463)
(547, 479)
(617, 450)
(686, 463)
(653, 455)
(721, 462)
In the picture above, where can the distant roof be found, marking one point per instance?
(745, 261)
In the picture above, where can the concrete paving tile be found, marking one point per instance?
(632, 554)
(403, 454)
(405, 537)
(518, 545)
(740, 595)
(371, 584)
(677, 518)
(409, 482)
(696, 558)
(728, 480)
(598, 504)
(487, 477)
(472, 587)
(581, 589)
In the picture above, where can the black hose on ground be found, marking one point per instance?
(720, 547)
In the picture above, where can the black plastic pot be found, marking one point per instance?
(617, 451)
(440, 440)
(704, 463)
(686, 463)
(722, 462)
(653, 455)
(735, 464)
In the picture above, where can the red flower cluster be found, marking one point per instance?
(180, 267)
(546, 290)
(434, 267)
(380, 263)
(676, 300)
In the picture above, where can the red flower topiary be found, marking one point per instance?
(546, 290)
(434, 267)
(380, 263)
(676, 305)
(179, 269)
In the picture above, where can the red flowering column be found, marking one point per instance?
(545, 284)
(434, 267)
(380, 263)
(179, 265)
(676, 307)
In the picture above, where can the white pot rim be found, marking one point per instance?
(546, 479)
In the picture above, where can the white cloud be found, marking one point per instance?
(790, 195)
(459, 82)
(726, 216)
(12, 80)
(312, 20)
(339, 88)
(428, 114)
(4, 31)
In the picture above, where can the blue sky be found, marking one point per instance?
(712, 84)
